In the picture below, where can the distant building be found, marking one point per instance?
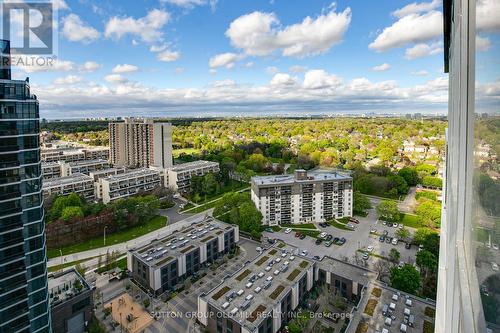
(57, 154)
(179, 176)
(140, 143)
(51, 170)
(308, 196)
(77, 183)
(128, 183)
(164, 264)
(96, 153)
(71, 302)
(85, 167)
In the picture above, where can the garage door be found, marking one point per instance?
(76, 324)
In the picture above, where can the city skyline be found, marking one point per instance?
(117, 59)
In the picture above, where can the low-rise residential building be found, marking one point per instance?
(162, 265)
(96, 153)
(128, 183)
(71, 302)
(78, 183)
(73, 154)
(179, 176)
(84, 166)
(307, 196)
(261, 297)
(51, 170)
(98, 174)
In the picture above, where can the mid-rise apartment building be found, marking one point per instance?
(307, 196)
(96, 153)
(78, 183)
(74, 154)
(140, 143)
(261, 297)
(179, 176)
(162, 265)
(24, 304)
(98, 174)
(128, 183)
(84, 166)
(51, 170)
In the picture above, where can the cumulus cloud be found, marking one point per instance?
(192, 3)
(125, 68)
(147, 28)
(423, 50)
(75, 30)
(60, 4)
(319, 78)
(260, 34)
(283, 79)
(90, 66)
(272, 70)
(227, 60)
(67, 80)
(415, 8)
(115, 78)
(483, 44)
(382, 68)
(168, 56)
(487, 15)
(409, 29)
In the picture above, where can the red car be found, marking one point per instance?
(297, 234)
(352, 219)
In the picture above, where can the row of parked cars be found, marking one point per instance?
(329, 239)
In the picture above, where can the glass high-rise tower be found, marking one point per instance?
(24, 303)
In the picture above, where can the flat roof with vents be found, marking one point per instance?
(262, 287)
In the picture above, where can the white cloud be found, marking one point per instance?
(260, 34)
(115, 78)
(318, 79)
(125, 68)
(147, 28)
(412, 28)
(56, 66)
(483, 44)
(67, 80)
(90, 66)
(59, 4)
(415, 7)
(487, 15)
(272, 70)
(192, 3)
(158, 48)
(382, 68)
(423, 50)
(224, 60)
(283, 79)
(420, 73)
(75, 30)
(298, 69)
(168, 56)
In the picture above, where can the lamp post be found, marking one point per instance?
(105, 234)
(60, 251)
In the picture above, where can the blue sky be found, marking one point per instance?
(209, 57)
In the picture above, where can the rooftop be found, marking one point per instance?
(74, 178)
(257, 287)
(192, 165)
(62, 286)
(86, 162)
(179, 242)
(316, 175)
(50, 164)
(349, 271)
(132, 173)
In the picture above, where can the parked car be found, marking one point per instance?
(271, 240)
(394, 241)
(322, 235)
(384, 223)
(386, 233)
(401, 226)
(323, 224)
(297, 234)
(336, 240)
(258, 249)
(317, 257)
(304, 252)
(382, 238)
(302, 236)
(388, 239)
(318, 241)
(369, 248)
(494, 266)
(495, 246)
(365, 256)
(408, 245)
(288, 230)
(373, 230)
(352, 219)
(394, 225)
(328, 237)
(401, 264)
(342, 241)
(269, 229)
(328, 243)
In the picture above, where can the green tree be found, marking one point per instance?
(360, 204)
(430, 181)
(429, 212)
(71, 212)
(431, 243)
(406, 279)
(403, 234)
(388, 210)
(410, 175)
(421, 234)
(394, 255)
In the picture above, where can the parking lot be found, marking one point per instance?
(358, 239)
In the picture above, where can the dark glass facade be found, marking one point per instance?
(23, 269)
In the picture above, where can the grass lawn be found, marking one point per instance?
(188, 151)
(376, 292)
(411, 221)
(310, 233)
(120, 263)
(302, 226)
(231, 186)
(68, 264)
(200, 208)
(339, 225)
(111, 239)
(370, 306)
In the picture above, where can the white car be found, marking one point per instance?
(258, 249)
(322, 235)
(495, 246)
(395, 225)
(288, 230)
(369, 248)
(401, 226)
(494, 266)
(304, 252)
(394, 241)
